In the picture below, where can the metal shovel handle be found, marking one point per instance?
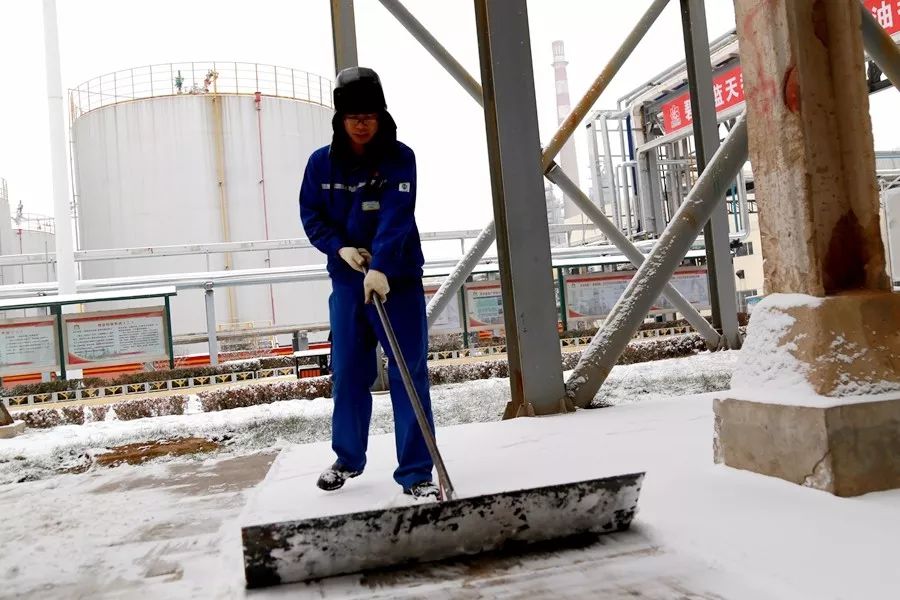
(443, 477)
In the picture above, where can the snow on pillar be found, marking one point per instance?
(831, 329)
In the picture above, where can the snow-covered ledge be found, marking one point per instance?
(12, 430)
(815, 397)
(8, 427)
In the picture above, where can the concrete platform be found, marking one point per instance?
(171, 530)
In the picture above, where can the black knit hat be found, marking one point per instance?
(358, 90)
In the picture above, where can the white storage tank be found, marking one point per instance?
(200, 153)
(34, 235)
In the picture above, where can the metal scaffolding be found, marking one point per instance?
(451, 286)
(706, 138)
(528, 305)
(626, 316)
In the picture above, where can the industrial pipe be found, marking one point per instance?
(610, 172)
(681, 304)
(629, 311)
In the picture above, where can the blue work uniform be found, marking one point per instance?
(370, 203)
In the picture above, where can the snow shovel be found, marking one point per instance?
(300, 550)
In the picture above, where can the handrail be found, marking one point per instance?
(198, 78)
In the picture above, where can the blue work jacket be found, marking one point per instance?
(363, 204)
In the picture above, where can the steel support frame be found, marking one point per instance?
(209, 296)
(632, 253)
(343, 34)
(453, 283)
(682, 232)
(523, 234)
(629, 311)
(428, 41)
(722, 292)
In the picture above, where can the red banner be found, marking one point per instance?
(728, 91)
(728, 88)
(886, 12)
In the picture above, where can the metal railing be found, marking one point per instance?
(198, 78)
(207, 249)
(33, 222)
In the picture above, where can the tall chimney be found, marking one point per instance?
(567, 158)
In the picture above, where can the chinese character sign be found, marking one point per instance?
(484, 306)
(450, 320)
(28, 346)
(115, 337)
(886, 12)
(728, 91)
(728, 88)
(591, 297)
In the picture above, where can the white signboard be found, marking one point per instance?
(693, 284)
(591, 297)
(450, 320)
(28, 346)
(104, 339)
(484, 306)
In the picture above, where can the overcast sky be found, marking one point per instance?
(435, 116)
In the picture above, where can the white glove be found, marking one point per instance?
(354, 258)
(376, 283)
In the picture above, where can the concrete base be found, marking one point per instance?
(11, 431)
(845, 449)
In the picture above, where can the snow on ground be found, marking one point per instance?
(171, 529)
(44, 452)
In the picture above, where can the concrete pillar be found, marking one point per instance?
(811, 145)
(816, 396)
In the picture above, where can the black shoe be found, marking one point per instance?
(335, 476)
(424, 490)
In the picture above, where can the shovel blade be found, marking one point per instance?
(300, 550)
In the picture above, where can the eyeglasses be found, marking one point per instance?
(361, 119)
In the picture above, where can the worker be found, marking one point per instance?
(357, 204)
